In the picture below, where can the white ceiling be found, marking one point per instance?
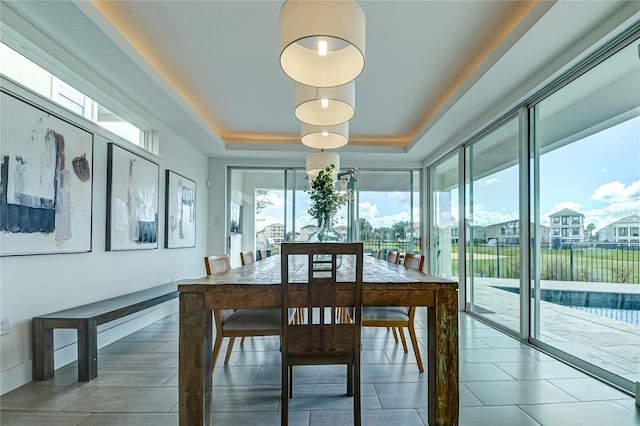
(435, 71)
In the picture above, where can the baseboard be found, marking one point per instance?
(22, 374)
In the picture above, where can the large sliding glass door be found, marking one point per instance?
(271, 206)
(551, 246)
(586, 298)
(493, 225)
(444, 214)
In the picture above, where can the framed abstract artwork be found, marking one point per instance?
(132, 200)
(180, 218)
(46, 182)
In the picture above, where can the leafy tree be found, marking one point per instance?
(262, 201)
(400, 230)
(366, 230)
(589, 232)
(385, 233)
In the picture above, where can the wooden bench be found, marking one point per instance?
(86, 319)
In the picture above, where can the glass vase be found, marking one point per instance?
(326, 234)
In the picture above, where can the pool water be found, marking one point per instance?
(632, 316)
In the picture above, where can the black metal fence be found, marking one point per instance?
(595, 262)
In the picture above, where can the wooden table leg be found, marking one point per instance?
(195, 380)
(442, 329)
(42, 340)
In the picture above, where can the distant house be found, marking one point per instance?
(274, 232)
(478, 232)
(508, 233)
(626, 230)
(305, 232)
(567, 224)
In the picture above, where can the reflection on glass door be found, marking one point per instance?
(587, 207)
(260, 195)
(443, 238)
(493, 226)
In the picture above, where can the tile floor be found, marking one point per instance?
(502, 382)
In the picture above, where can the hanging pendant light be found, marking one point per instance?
(322, 42)
(324, 137)
(325, 106)
(317, 161)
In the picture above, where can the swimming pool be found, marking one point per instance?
(618, 306)
(632, 316)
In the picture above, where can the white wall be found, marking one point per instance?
(39, 284)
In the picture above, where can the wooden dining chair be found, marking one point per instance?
(241, 322)
(397, 318)
(247, 257)
(322, 339)
(393, 256)
(376, 253)
(414, 261)
(261, 254)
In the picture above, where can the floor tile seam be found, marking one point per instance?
(497, 365)
(635, 411)
(64, 410)
(513, 405)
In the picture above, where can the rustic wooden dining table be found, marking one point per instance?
(257, 285)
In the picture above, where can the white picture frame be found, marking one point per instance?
(180, 211)
(46, 182)
(132, 200)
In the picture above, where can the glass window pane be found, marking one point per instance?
(34, 77)
(585, 280)
(493, 227)
(443, 196)
(388, 215)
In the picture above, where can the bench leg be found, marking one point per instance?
(42, 339)
(87, 350)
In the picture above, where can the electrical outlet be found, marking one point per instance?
(5, 325)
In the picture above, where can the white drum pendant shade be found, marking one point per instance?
(325, 106)
(322, 42)
(317, 161)
(324, 137)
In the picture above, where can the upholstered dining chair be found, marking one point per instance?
(397, 318)
(376, 253)
(241, 322)
(247, 257)
(322, 339)
(261, 254)
(393, 257)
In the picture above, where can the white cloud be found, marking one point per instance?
(617, 192)
(571, 205)
(277, 202)
(371, 213)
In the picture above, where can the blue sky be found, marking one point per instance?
(598, 176)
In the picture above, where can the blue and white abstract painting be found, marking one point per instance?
(45, 182)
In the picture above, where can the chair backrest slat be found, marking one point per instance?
(393, 257)
(414, 261)
(217, 263)
(247, 257)
(261, 254)
(327, 288)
